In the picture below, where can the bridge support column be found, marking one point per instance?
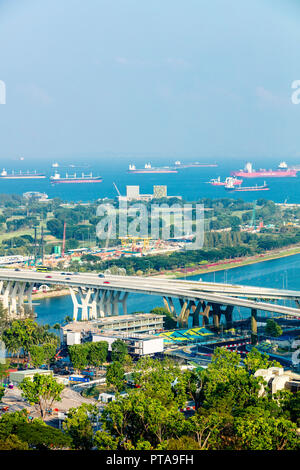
(124, 302)
(169, 305)
(115, 302)
(205, 314)
(75, 303)
(184, 313)
(228, 315)
(216, 311)
(20, 299)
(13, 298)
(28, 294)
(254, 338)
(196, 311)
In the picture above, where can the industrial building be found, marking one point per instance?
(146, 323)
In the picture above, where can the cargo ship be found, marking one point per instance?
(178, 164)
(75, 179)
(230, 187)
(19, 175)
(149, 169)
(218, 182)
(249, 172)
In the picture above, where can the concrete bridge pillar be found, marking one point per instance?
(216, 311)
(228, 315)
(205, 314)
(184, 313)
(254, 338)
(124, 302)
(75, 303)
(196, 311)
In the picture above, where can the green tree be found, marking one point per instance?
(37, 356)
(79, 355)
(43, 390)
(170, 322)
(115, 375)
(266, 433)
(272, 328)
(97, 353)
(12, 442)
(139, 420)
(256, 360)
(18, 433)
(119, 350)
(79, 426)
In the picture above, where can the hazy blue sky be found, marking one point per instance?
(188, 78)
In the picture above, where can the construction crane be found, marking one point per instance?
(117, 189)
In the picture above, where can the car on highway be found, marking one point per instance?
(48, 277)
(101, 275)
(17, 269)
(68, 279)
(106, 282)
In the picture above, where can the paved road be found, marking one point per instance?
(70, 399)
(191, 290)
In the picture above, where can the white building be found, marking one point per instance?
(17, 376)
(138, 344)
(278, 379)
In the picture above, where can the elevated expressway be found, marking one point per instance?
(95, 297)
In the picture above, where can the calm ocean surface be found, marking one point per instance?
(190, 183)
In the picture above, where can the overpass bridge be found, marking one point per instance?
(95, 297)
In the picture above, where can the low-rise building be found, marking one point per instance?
(278, 379)
(138, 344)
(147, 323)
(18, 376)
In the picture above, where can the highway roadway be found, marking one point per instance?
(222, 294)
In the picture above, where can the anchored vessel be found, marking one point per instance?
(249, 172)
(218, 182)
(149, 169)
(75, 179)
(178, 164)
(230, 187)
(19, 175)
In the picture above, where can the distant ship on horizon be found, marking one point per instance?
(57, 179)
(149, 169)
(218, 182)
(231, 187)
(282, 172)
(21, 175)
(178, 164)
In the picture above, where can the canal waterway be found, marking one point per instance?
(281, 273)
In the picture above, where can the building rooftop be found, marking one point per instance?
(94, 324)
